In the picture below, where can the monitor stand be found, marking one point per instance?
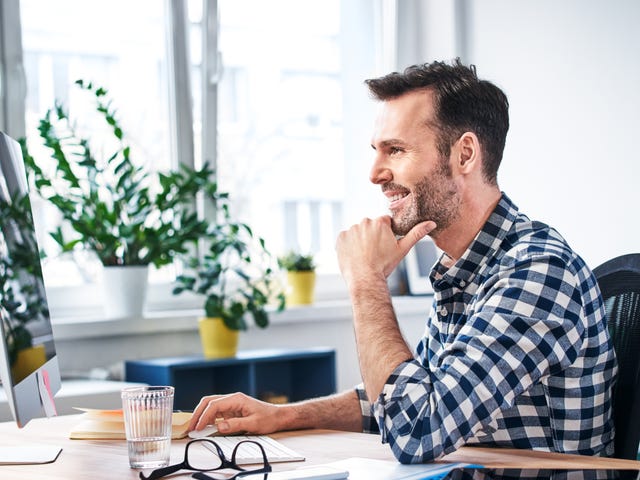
(32, 454)
(46, 396)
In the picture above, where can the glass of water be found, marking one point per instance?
(147, 421)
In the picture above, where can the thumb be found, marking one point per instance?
(234, 425)
(417, 233)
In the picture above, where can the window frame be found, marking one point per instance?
(83, 302)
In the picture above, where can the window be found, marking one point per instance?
(286, 111)
(129, 61)
(280, 128)
(292, 117)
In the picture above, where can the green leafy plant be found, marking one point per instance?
(22, 296)
(234, 276)
(297, 262)
(125, 213)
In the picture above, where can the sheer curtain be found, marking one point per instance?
(12, 79)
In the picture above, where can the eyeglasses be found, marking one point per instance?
(205, 455)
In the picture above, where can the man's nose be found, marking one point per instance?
(380, 172)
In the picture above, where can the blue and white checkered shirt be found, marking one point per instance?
(516, 352)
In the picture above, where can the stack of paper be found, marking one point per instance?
(370, 469)
(109, 425)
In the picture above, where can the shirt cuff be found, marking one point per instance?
(369, 424)
(389, 405)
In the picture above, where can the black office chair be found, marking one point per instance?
(619, 282)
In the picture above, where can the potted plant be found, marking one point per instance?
(22, 296)
(235, 278)
(301, 277)
(128, 215)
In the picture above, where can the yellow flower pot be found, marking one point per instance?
(27, 362)
(218, 341)
(301, 287)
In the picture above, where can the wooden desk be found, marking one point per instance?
(107, 459)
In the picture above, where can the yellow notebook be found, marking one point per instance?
(109, 425)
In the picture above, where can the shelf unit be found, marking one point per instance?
(294, 374)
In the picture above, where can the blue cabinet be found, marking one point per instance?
(267, 374)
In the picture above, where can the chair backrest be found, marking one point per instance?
(619, 282)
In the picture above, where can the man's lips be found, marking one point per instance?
(396, 199)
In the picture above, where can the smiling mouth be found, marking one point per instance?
(396, 200)
(395, 194)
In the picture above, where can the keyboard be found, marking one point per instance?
(276, 451)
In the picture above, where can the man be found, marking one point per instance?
(516, 350)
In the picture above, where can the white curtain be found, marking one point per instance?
(12, 79)
(428, 30)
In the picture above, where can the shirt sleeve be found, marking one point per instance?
(369, 423)
(526, 323)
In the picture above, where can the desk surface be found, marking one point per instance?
(107, 459)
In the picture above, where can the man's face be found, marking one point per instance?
(413, 175)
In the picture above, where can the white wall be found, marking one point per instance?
(572, 75)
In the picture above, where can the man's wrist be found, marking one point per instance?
(289, 417)
(368, 287)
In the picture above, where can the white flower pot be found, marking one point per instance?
(124, 291)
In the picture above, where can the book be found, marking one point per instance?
(109, 425)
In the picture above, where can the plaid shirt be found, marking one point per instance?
(516, 352)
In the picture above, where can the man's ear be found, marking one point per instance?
(467, 153)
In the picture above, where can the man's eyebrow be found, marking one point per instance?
(392, 142)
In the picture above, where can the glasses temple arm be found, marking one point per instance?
(161, 472)
(201, 476)
(265, 474)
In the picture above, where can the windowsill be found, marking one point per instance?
(186, 320)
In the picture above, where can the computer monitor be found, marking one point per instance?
(29, 368)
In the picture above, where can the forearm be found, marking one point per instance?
(381, 346)
(367, 254)
(337, 412)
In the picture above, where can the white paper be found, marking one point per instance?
(370, 469)
(28, 454)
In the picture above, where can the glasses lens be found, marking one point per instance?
(202, 455)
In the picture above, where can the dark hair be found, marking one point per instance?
(462, 103)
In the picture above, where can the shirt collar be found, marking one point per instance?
(480, 251)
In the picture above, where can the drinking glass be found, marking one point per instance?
(147, 421)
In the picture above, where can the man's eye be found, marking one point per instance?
(394, 150)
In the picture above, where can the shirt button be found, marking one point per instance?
(462, 283)
(443, 311)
